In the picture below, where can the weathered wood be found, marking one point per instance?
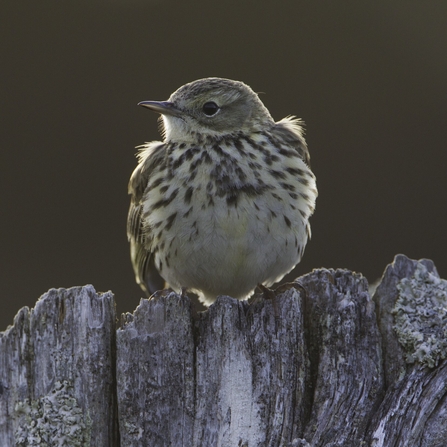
(57, 372)
(251, 372)
(155, 373)
(414, 410)
(385, 297)
(317, 363)
(345, 357)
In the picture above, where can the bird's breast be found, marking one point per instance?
(220, 209)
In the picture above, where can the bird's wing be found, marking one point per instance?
(291, 131)
(146, 274)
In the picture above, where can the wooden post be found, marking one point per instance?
(317, 363)
(57, 372)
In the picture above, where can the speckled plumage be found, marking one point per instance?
(221, 205)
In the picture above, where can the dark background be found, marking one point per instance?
(369, 79)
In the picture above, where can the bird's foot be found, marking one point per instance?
(291, 285)
(160, 293)
(268, 294)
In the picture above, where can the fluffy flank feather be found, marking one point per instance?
(294, 124)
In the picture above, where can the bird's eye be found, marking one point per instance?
(210, 108)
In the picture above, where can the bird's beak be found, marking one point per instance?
(163, 107)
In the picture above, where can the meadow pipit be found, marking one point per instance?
(223, 203)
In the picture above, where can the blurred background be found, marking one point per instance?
(368, 78)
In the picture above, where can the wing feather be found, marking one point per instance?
(151, 155)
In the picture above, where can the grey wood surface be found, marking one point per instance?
(316, 363)
(57, 372)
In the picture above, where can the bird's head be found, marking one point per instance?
(211, 106)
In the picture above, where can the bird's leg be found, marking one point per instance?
(268, 294)
(183, 292)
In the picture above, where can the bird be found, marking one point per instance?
(222, 204)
